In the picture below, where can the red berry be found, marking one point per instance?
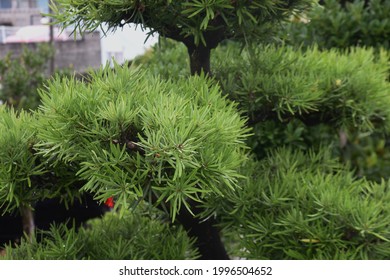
(110, 202)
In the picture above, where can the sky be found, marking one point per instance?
(130, 42)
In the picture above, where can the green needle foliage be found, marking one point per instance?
(179, 143)
(200, 24)
(135, 137)
(18, 164)
(26, 177)
(287, 92)
(195, 20)
(298, 205)
(136, 236)
(293, 96)
(345, 25)
(284, 82)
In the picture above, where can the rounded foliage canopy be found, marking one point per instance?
(135, 137)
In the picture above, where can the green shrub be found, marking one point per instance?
(295, 97)
(26, 177)
(335, 26)
(136, 236)
(18, 164)
(135, 137)
(176, 142)
(289, 93)
(167, 59)
(304, 205)
(343, 24)
(126, 135)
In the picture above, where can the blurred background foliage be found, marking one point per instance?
(342, 24)
(22, 75)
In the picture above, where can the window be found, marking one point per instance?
(5, 4)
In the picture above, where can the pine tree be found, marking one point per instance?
(174, 148)
(128, 135)
(200, 25)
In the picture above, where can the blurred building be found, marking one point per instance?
(22, 12)
(22, 24)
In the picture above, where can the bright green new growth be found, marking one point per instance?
(135, 137)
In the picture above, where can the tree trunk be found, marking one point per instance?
(28, 221)
(199, 59)
(206, 233)
(208, 240)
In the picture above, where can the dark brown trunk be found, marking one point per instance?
(28, 221)
(206, 232)
(199, 60)
(208, 240)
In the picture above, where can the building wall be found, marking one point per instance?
(20, 12)
(20, 17)
(80, 55)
